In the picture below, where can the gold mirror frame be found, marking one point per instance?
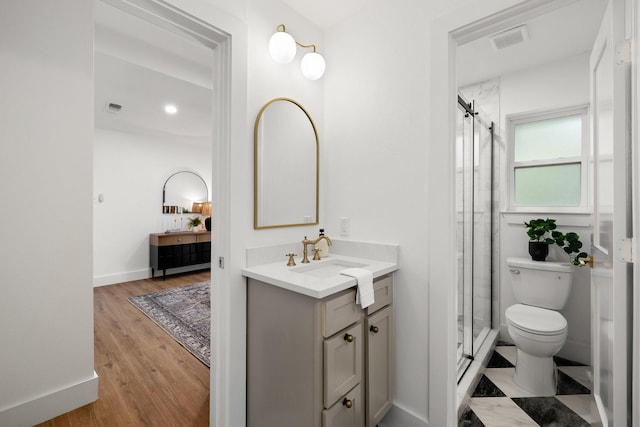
(256, 161)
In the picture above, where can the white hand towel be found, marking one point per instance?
(364, 295)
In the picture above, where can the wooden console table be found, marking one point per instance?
(174, 250)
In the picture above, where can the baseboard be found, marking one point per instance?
(128, 276)
(402, 417)
(576, 351)
(51, 405)
(110, 279)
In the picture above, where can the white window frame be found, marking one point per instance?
(516, 119)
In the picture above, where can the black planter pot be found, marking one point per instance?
(207, 223)
(538, 250)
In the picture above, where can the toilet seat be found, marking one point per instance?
(536, 320)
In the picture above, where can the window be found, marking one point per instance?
(548, 167)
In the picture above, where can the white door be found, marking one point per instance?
(610, 277)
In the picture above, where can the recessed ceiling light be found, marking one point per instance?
(170, 109)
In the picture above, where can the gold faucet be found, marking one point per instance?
(306, 242)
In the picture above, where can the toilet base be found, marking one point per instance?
(537, 375)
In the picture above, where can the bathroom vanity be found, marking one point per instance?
(314, 356)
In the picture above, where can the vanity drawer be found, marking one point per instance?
(342, 363)
(383, 293)
(339, 311)
(347, 412)
(178, 239)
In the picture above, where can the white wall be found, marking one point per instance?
(560, 84)
(372, 112)
(129, 171)
(46, 129)
(376, 171)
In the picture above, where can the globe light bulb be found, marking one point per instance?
(312, 66)
(282, 47)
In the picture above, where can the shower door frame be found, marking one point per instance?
(470, 344)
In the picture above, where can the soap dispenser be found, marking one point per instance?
(322, 245)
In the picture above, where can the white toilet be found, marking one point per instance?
(537, 329)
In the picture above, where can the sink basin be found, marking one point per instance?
(328, 268)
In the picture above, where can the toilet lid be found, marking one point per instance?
(536, 320)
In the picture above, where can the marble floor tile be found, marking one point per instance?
(550, 412)
(500, 412)
(582, 374)
(503, 379)
(470, 419)
(567, 385)
(499, 361)
(486, 388)
(508, 352)
(583, 405)
(497, 401)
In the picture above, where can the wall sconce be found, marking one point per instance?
(282, 48)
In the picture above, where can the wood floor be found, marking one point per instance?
(146, 377)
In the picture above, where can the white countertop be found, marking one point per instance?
(317, 279)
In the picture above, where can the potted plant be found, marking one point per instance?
(571, 244)
(542, 233)
(539, 237)
(194, 222)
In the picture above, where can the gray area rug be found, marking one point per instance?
(184, 313)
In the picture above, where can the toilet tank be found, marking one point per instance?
(541, 283)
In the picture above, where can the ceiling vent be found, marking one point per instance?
(510, 37)
(112, 107)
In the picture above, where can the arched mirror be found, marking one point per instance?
(286, 166)
(182, 190)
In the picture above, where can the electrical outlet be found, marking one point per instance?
(345, 226)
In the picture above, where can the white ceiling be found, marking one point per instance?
(565, 32)
(326, 13)
(141, 66)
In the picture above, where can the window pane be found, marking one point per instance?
(549, 139)
(557, 185)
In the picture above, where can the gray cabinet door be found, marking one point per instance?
(342, 363)
(380, 364)
(349, 412)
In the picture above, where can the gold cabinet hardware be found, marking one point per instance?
(291, 261)
(374, 329)
(588, 260)
(348, 337)
(348, 403)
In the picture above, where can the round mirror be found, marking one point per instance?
(181, 190)
(286, 167)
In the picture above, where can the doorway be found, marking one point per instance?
(212, 28)
(450, 32)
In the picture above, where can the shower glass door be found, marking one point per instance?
(464, 214)
(474, 142)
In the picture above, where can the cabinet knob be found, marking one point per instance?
(374, 329)
(348, 403)
(348, 337)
